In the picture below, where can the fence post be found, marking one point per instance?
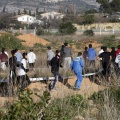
(113, 30)
(100, 31)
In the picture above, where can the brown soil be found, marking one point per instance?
(31, 39)
(87, 89)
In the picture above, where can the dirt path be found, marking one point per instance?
(87, 89)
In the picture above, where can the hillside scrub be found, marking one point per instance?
(45, 108)
(10, 42)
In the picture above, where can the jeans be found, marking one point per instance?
(57, 77)
(79, 80)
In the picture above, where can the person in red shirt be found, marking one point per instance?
(118, 50)
(3, 59)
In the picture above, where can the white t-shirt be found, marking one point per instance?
(101, 51)
(20, 70)
(117, 60)
(31, 57)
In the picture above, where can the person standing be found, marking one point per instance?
(12, 65)
(19, 57)
(106, 62)
(113, 52)
(22, 72)
(117, 60)
(3, 59)
(85, 55)
(62, 53)
(3, 49)
(101, 51)
(91, 55)
(118, 50)
(77, 66)
(67, 55)
(50, 55)
(31, 58)
(55, 64)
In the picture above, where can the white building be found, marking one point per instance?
(52, 15)
(26, 19)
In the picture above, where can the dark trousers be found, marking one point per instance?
(106, 69)
(23, 79)
(48, 63)
(31, 65)
(57, 77)
(92, 62)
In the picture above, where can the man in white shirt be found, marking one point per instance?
(31, 58)
(22, 72)
(101, 51)
(117, 60)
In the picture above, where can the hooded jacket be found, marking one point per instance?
(77, 64)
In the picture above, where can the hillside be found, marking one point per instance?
(77, 5)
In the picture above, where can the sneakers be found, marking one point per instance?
(76, 89)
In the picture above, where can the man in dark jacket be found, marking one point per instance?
(12, 64)
(106, 62)
(55, 64)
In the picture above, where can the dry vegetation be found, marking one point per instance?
(70, 106)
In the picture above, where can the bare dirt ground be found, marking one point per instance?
(87, 89)
(31, 39)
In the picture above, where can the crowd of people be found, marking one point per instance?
(61, 58)
(18, 63)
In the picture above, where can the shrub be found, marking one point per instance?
(88, 33)
(40, 31)
(11, 42)
(67, 28)
(44, 109)
(109, 41)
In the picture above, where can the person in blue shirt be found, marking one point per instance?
(77, 66)
(18, 56)
(91, 55)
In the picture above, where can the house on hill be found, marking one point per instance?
(52, 15)
(26, 19)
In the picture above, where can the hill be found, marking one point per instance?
(44, 5)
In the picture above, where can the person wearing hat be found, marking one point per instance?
(55, 64)
(50, 55)
(31, 58)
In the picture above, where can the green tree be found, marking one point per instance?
(88, 19)
(115, 5)
(29, 12)
(19, 12)
(67, 28)
(105, 6)
(25, 11)
(37, 13)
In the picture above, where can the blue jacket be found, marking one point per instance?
(77, 65)
(91, 54)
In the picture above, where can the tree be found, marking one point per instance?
(88, 19)
(37, 11)
(19, 12)
(25, 11)
(105, 6)
(29, 12)
(67, 28)
(115, 5)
